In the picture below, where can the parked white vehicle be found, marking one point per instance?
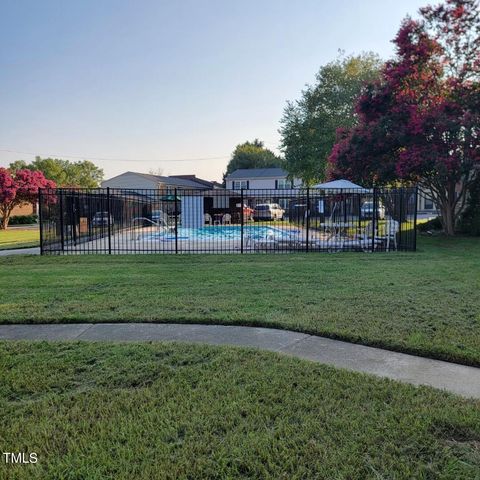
(268, 211)
(367, 210)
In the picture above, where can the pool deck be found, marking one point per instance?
(148, 240)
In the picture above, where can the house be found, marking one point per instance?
(139, 181)
(261, 178)
(196, 196)
(263, 185)
(426, 207)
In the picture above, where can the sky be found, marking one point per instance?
(168, 86)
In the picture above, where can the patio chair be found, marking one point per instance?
(392, 227)
(208, 219)
(227, 219)
(366, 239)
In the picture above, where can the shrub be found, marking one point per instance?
(23, 219)
(433, 224)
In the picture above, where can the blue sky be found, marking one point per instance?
(138, 82)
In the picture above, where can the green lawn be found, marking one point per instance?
(18, 238)
(171, 411)
(426, 302)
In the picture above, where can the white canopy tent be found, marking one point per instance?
(342, 184)
(349, 193)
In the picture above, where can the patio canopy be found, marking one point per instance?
(342, 184)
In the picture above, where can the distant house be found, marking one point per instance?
(426, 206)
(196, 196)
(261, 178)
(265, 185)
(139, 181)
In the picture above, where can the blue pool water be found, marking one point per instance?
(225, 232)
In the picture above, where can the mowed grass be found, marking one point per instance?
(19, 238)
(130, 411)
(425, 302)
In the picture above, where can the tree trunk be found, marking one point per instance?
(4, 217)
(448, 218)
(443, 194)
(4, 223)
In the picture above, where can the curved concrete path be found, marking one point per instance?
(459, 379)
(20, 251)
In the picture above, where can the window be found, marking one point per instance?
(284, 183)
(239, 184)
(428, 204)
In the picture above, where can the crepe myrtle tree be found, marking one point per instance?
(420, 122)
(19, 189)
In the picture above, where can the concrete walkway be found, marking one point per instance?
(20, 251)
(459, 379)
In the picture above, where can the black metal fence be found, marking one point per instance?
(117, 221)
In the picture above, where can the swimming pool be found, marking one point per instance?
(224, 232)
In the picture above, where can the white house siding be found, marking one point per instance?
(261, 183)
(272, 181)
(425, 204)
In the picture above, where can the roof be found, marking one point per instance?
(248, 173)
(335, 184)
(201, 181)
(180, 181)
(174, 181)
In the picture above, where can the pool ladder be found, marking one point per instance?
(162, 227)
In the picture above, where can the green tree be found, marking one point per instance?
(253, 155)
(17, 165)
(64, 172)
(309, 125)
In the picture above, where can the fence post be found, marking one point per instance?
(40, 219)
(176, 220)
(415, 220)
(242, 220)
(62, 225)
(374, 218)
(400, 220)
(359, 226)
(307, 244)
(73, 225)
(108, 222)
